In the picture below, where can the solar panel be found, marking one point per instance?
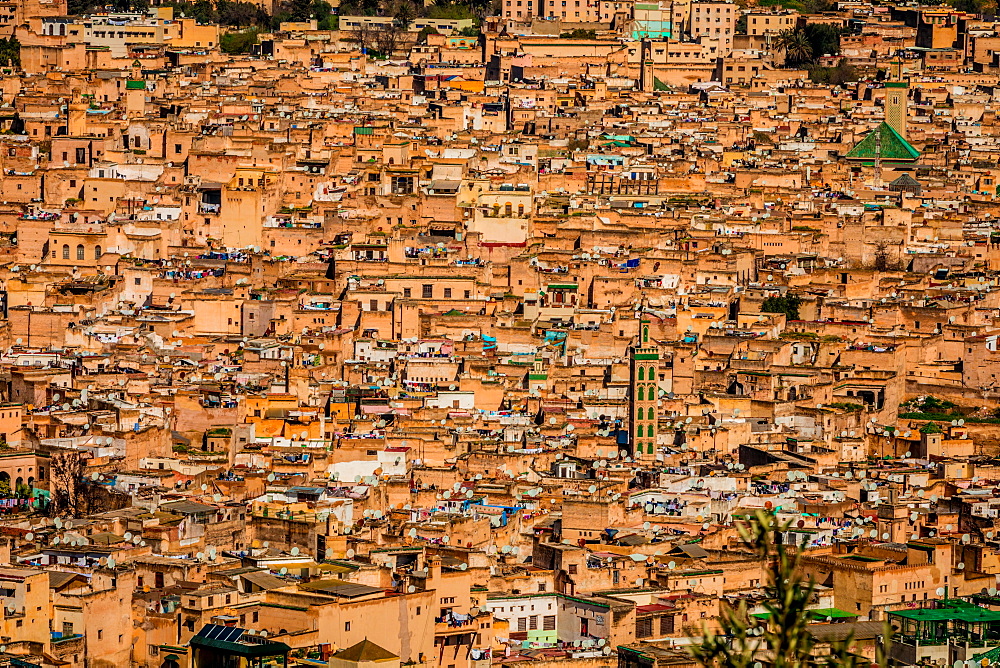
(223, 633)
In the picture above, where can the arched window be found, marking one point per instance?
(649, 413)
(98, 252)
(508, 209)
(645, 334)
(642, 397)
(65, 251)
(520, 209)
(81, 252)
(642, 373)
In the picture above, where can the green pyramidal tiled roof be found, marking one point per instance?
(894, 147)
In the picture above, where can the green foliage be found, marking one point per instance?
(799, 336)
(946, 417)
(984, 7)
(787, 304)
(239, 42)
(10, 52)
(798, 50)
(470, 31)
(229, 13)
(305, 10)
(456, 11)
(241, 14)
(929, 404)
(741, 25)
(847, 406)
(784, 636)
(930, 428)
(77, 7)
(579, 33)
(359, 8)
(836, 76)
(801, 6)
(824, 39)
(424, 32)
(803, 46)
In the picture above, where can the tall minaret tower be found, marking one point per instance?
(643, 410)
(896, 91)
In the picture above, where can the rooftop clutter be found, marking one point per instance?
(380, 335)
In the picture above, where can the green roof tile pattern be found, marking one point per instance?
(894, 147)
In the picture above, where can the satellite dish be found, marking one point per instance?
(295, 551)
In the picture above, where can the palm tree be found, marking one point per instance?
(796, 46)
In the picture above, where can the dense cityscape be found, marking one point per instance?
(545, 333)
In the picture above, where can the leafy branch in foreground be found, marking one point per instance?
(783, 639)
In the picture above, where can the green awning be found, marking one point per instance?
(818, 614)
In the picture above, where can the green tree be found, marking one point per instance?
(10, 52)
(451, 11)
(239, 41)
(986, 8)
(403, 14)
(240, 14)
(796, 46)
(787, 304)
(842, 74)
(823, 38)
(424, 32)
(579, 33)
(784, 636)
